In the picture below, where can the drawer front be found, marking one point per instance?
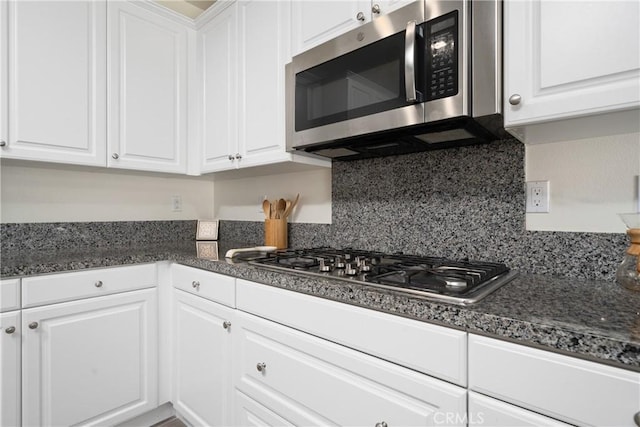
(9, 294)
(213, 286)
(431, 349)
(61, 287)
(488, 411)
(569, 389)
(306, 379)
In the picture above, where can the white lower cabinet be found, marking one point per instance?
(202, 360)
(284, 374)
(91, 361)
(572, 390)
(10, 370)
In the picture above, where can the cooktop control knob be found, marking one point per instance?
(323, 267)
(364, 267)
(339, 263)
(351, 270)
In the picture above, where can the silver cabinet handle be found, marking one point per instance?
(33, 325)
(226, 324)
(381, 424)
(195, 285)
(636, 418)
(515, 99)
(360, 16)
(115, 156)
(261, 367)
(231, 157)
(238, 156)
(375, 9)
(3, 143)
(10, 330)
(409, 58)
(98, 284)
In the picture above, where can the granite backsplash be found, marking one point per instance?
(457, 203)
(461, 202)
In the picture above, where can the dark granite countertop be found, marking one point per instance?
(594, 320)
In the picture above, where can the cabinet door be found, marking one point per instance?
(202, 389)
(264, 40)
(315, 22)
(566, 61)
(4, 105)
(90, 362)
(484, 410)
(57, 81)
(218, 55)
(386, 6)
(309, 381)
(147, 90)
(10, 344)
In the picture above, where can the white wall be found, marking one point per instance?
(39, 192)
(239, 194)
(591, 181)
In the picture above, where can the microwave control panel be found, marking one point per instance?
(442, 56)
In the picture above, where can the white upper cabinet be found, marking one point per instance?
(56, 87)
(4, 105)
(243, 49)
(217, 56)
(147, 90)
(571, 61)
(315, 22)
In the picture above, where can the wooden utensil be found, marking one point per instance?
(290, 207)
(266, 207)
(281, 205)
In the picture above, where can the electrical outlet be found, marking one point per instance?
(176, 204)
(538, 196)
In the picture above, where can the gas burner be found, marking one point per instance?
(455, 281)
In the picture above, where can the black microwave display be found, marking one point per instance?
(442, 56)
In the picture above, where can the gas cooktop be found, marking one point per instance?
(455, 281)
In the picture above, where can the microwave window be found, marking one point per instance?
(357, 84)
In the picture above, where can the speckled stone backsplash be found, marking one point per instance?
(78, 235)
(463, 202)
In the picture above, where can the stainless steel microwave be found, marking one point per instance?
(426, 76)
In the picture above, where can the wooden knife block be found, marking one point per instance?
(275, 233)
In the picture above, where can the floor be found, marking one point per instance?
(170, 422)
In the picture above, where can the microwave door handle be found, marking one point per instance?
(409, 62)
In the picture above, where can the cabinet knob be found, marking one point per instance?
(10, 330)
(98, 284)
(33, 325)
(115, 156)
(195, 285)
(261, 367)
(515, 99)
(238, 156)
(636, 418)
(231, 157)
(360, 16)
(381, 424)
(375, 9)
(3, 143)
(226, 324)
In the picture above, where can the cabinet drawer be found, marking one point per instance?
(312, 381)
(86, 284)
(213, 286)
(9, 294)
(488, 411)
(431, 349)
(570, 389)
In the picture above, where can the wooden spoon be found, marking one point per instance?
(290, 207)
(281, 205)
(266, 207)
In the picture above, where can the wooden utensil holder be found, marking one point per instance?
(275, 233)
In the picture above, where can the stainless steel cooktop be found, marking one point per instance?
(455, 281)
